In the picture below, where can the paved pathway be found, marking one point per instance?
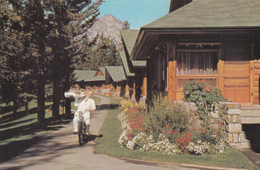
(60, 150)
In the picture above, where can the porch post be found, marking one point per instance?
(172, 80)
(221, 74)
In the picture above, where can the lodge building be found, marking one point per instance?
(213, 40)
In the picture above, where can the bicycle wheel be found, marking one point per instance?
(80, 134)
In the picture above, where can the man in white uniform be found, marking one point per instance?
(86, 106)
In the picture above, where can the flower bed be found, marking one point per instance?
(165, 129)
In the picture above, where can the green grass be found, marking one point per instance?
(109, 145)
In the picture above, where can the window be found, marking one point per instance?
(196, 63)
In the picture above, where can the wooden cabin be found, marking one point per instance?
(135, 70)
(213, 40)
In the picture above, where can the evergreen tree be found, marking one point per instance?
(126, 25)
(13, 68)
(70, 21)
(46, 34)
(104, 53)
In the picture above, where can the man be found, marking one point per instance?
(86, 106)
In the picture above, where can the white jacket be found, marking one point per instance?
(85, 106)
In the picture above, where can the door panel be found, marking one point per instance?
(237, 81)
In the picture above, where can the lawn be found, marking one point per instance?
(109, 145)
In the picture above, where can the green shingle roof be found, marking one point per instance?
(84, 75)
(212, 14)
(125, 64)
(140, 63)
(87, 76)
(116, 72)
(102, 69)
(129, 37)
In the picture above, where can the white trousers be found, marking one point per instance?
(76, 119)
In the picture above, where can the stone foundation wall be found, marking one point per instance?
(234, 128)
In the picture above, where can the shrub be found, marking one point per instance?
(125, 104)
(165, 118)
(204, 96)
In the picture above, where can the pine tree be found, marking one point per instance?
(48, 34)
(13, 70)
(70, 21)
(103, 53)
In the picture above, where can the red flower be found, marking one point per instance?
(199, 81)
(220, 123)
(167, 125)
(184, 147)
(175, 132)
(171, 131)
(202, 131)
(148, 130)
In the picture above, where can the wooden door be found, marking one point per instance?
(237, 81)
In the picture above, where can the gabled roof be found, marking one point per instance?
(175, 4)
(100, 70)
(125, 64)
(116, 72)
(212, 14)
(87, 76)
(129, 37)
(198, 17)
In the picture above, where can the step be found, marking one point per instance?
(244, 142)
(250, 116)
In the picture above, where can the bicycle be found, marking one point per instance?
(82, 129)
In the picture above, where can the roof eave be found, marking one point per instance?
(184, 30)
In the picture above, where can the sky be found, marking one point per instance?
(137, 12)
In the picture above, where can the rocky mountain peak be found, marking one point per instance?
(109, 26)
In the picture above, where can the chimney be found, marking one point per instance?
(176, 4)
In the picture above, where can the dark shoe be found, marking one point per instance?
(74, 133)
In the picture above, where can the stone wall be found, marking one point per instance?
(234, 126)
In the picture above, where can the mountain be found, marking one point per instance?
(109, 26)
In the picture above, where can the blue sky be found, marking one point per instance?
(137, 12)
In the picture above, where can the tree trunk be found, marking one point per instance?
(41, 99)
(67, 100)
(26, 108)
(15, 105)
(41, 75)
(56, 97)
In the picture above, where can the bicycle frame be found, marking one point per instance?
(81, 129)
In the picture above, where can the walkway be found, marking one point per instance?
(60, 151)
